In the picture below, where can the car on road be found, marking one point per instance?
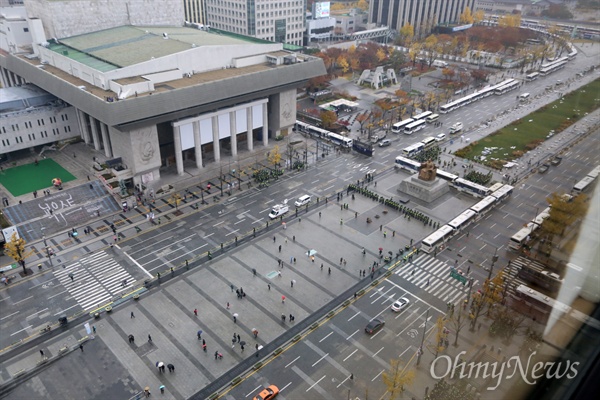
(457, 127)
(385, 143)
(544, 168)
(267, 393)
(374, 326)
(400, 304)
(440, 137)
(556, 160)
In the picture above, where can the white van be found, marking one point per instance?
(440, 64)
(432, 118)
(457, 127)
(524, 97)
(278, 209)
(303, 200)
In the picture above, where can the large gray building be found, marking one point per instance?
(282, 22)
(422, 14)
(160, 95)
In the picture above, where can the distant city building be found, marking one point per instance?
(31, 117)
(194, 11)
(348, 23)
(523, 7)
(281, 22)
(422, 14)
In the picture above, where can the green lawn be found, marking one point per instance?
(29, 177)
(525, 134)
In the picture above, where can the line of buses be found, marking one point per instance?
(415, 124)
(324, 134)
(523, 236)
(438, 239)
(498, 89)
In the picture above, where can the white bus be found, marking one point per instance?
(413, 149)
(447, 176)
(432, 118)
(407, 164)
(399, 126)
(594, 173)
(470, 187)
(484, 206)
(541, 217)
(421, 116)
(496, 186)
(436, 239)
(520, 238)
(463, 220)
(532, 76)
(415, 127)
(552, 68)
(340, 140)
(583, 184)
(503, 192)
(507, 88)
(428, 142)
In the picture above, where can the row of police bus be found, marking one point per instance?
(415, 123)
(522, 237)
(437, 240)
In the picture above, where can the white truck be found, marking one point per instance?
(278, 210)
(456, 128)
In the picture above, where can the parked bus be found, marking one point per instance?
(399, 126)
(552, 68)
(432, 118)
(583, 185)
(484, 206)
(407, 164)
(535, 273)
(519, 239)
(594, 173)
(413, 149)
(447, 176)
(365, 148)
(495, 187)
(532, 76)
(340, 140)
(507, 88)
(463, 220)
(414, 127)
(503, 192)
(433, 242)
(428, 142)
(422, 116)
(473, 188)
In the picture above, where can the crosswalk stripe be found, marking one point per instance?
(97, 278)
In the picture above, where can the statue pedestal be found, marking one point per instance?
(427, 191)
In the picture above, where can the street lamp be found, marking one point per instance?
(420, 351)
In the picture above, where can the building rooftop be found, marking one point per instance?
(124, 46)
(22, 97)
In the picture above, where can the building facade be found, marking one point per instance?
(30, 117)
(281, 22)
(523, 7)
(194, 11)
(423, 15)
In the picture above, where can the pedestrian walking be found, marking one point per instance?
(216, 354)
(42, 353)
(239, 339)
(280, 248)
(329, 271)
(294, 238)
(81, 347)
(72, 277)
(196, 311)
(282, 299)
(294, 260)
(283, 317)
(228, 305)
(147, 392)
(132, 315)
(149, 338)
(427, 283)
(269, 286)
(234, 318)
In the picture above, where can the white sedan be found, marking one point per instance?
(400, 304)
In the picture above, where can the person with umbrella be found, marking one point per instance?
(200, 334)
(242, 344)
(255, 332)
(235, 317)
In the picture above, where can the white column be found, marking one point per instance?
(83, 127)
(215, 132)
(178, 151)
(265, 124)
(197, 144)
(249, 127)
(95, 133)
(106, 139)
(233, 129)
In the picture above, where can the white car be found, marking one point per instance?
(440, 137)
(400, 304)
